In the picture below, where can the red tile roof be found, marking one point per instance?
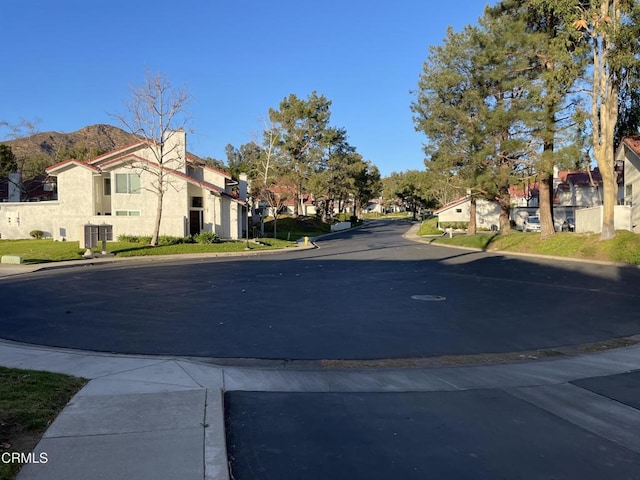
(71, 162)
(633, 143)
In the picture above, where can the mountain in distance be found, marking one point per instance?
(86, 143)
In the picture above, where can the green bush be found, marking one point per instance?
(455, 225)
(207, 237)
(430, 227)
(37, 234)
(134, 239)
(167, 240)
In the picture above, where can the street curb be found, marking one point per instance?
(13, 270)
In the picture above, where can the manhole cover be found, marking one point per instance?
(428, 298)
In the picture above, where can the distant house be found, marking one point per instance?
(37, 189)
(117, 189)
(459, 211)
(572, 190)
(578, 189)
(526, 195)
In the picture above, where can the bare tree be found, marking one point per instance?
(156, 111)
(265, 185)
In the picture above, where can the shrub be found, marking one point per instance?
(134, 239)
(37, 234)
(207, 237)
(454, 225)
(167, 240)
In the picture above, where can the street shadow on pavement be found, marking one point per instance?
(423, 301)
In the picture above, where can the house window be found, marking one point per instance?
(127, 183)
(107, 186)
(628, 194)
(127, 213)
(458, 210)
(196, 202)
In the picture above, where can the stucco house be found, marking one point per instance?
(578, 189)
(628, 154)
(117, 189)
(572, 191)
(458, 211)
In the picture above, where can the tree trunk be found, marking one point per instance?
(545, 185)
(610, 187)
(160, 198)
(158, 219)
(504, 200)
(545, 192)
(473, 209)
(604, 115)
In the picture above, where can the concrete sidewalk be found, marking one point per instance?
(142, 418)
(163, 418)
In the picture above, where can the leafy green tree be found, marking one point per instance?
(8, 162)
(557, 58)
(365, 182)
(244, 159)
(302, 125)
(628, 123)
(474, 105)
(411, 187)
(333, 181)
(28, 167)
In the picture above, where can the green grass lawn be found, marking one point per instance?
(624, 248)
(290, 228)
(42, 251)
(430, 227)
(29, 402)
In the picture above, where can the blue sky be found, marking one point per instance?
(71, 63)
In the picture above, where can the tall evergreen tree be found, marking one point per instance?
(474, 102)
(302, 125)
(557, 58)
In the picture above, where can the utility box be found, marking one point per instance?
(97, 233)
(105, 233)
(90, 236)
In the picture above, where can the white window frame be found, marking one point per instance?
(128, 213)
(130, 180)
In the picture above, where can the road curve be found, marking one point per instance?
(364, 294)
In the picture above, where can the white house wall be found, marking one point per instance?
(632, 177)
(82, 200)
(19, 218)
(487, 213)
(589, 220)
(213, 177)
(175, 206)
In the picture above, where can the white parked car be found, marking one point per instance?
(531, 224)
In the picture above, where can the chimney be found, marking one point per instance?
(243, 186)
(14, 187)
(175, 150)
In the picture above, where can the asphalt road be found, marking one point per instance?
(473, 434)
(364, 294)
